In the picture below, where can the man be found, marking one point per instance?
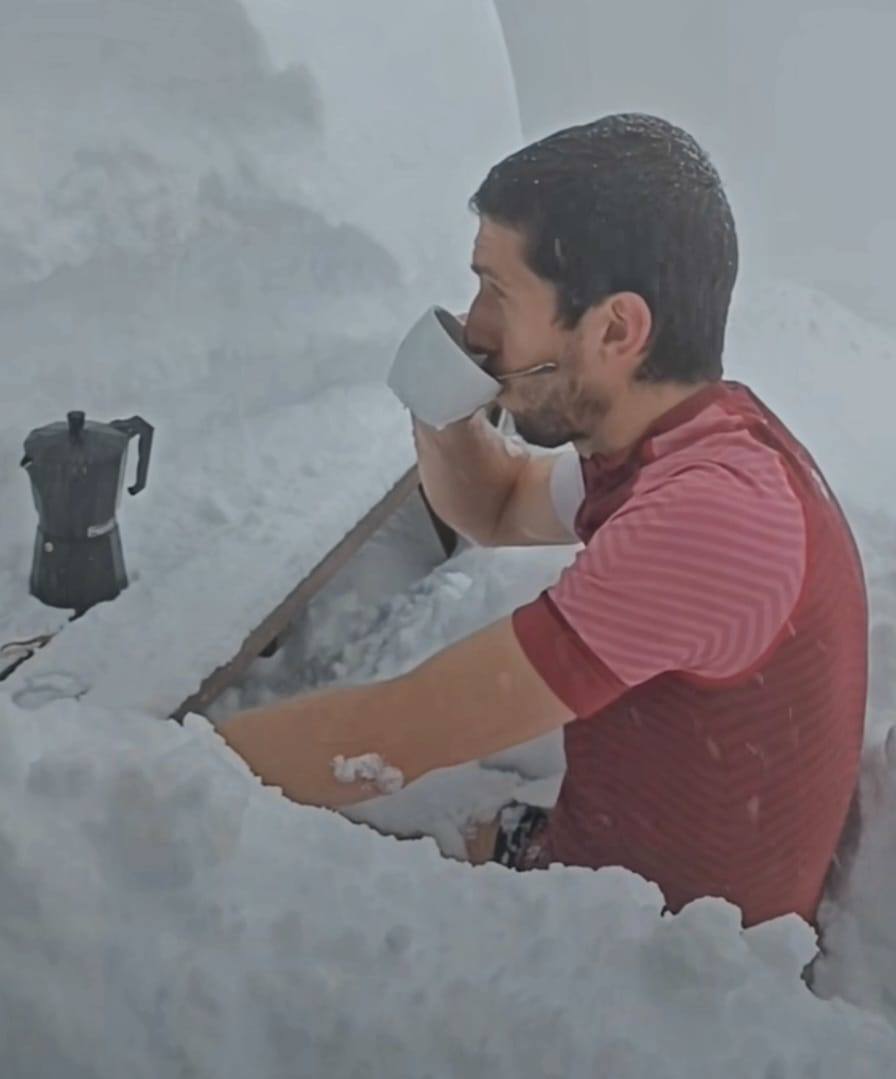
(706, 652)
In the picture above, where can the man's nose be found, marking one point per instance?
(474, 344)
(477, 338)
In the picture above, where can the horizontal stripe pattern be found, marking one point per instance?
(697, 575)
(713, 636)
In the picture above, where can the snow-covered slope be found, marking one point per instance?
(163, 914)
(222, 216)
(828, 373)
(787, 342)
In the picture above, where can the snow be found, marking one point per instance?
(789, 99)
(859, 959)
(189, 230)
(818, 364)
(259, 496)
(349, 637)
(371, 768)
(343, 639)
(218, 929)
(183, 235)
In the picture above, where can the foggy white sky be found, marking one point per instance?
(793, 100)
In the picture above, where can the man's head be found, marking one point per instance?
(610, 249)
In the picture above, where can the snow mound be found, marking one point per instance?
(217, 929)
(858, 961)
(254, 511)
(824, 370)
(341, 639)
(212, 212)
(345, 637)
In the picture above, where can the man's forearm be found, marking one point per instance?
(476, 697)
(468, 471)
(293, 743)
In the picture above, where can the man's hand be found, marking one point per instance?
(472, 699)
(488, 488)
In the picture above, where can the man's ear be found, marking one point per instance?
(627, 325)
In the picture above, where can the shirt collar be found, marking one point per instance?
(677, 415)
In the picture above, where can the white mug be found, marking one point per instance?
(435, 376)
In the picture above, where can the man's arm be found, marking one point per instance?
(488, 488)
(475, 698)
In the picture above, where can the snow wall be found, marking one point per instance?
(210, 211)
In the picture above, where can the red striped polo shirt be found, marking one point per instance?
(712, 636)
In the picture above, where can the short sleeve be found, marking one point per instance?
(699, 574)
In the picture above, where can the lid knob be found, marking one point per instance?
(75, 424)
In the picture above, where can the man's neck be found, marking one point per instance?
(633, 413)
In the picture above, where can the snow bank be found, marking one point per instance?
(787, 342)
(858, 962)
(217, 929)
(212, 212)
(858, 917)
(342, 639)
(792, 335)
(221, 543)
(828, 373)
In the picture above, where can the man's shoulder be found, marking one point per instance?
(722, 461)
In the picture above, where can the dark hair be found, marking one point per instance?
(628, 203)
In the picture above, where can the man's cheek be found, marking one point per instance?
(521, 349)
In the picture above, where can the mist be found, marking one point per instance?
(792, 101)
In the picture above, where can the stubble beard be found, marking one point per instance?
(561, 417)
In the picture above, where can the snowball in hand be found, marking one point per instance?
(370, 767)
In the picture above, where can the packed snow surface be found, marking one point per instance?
(224, 216)
(371, 768)
(165, 914)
